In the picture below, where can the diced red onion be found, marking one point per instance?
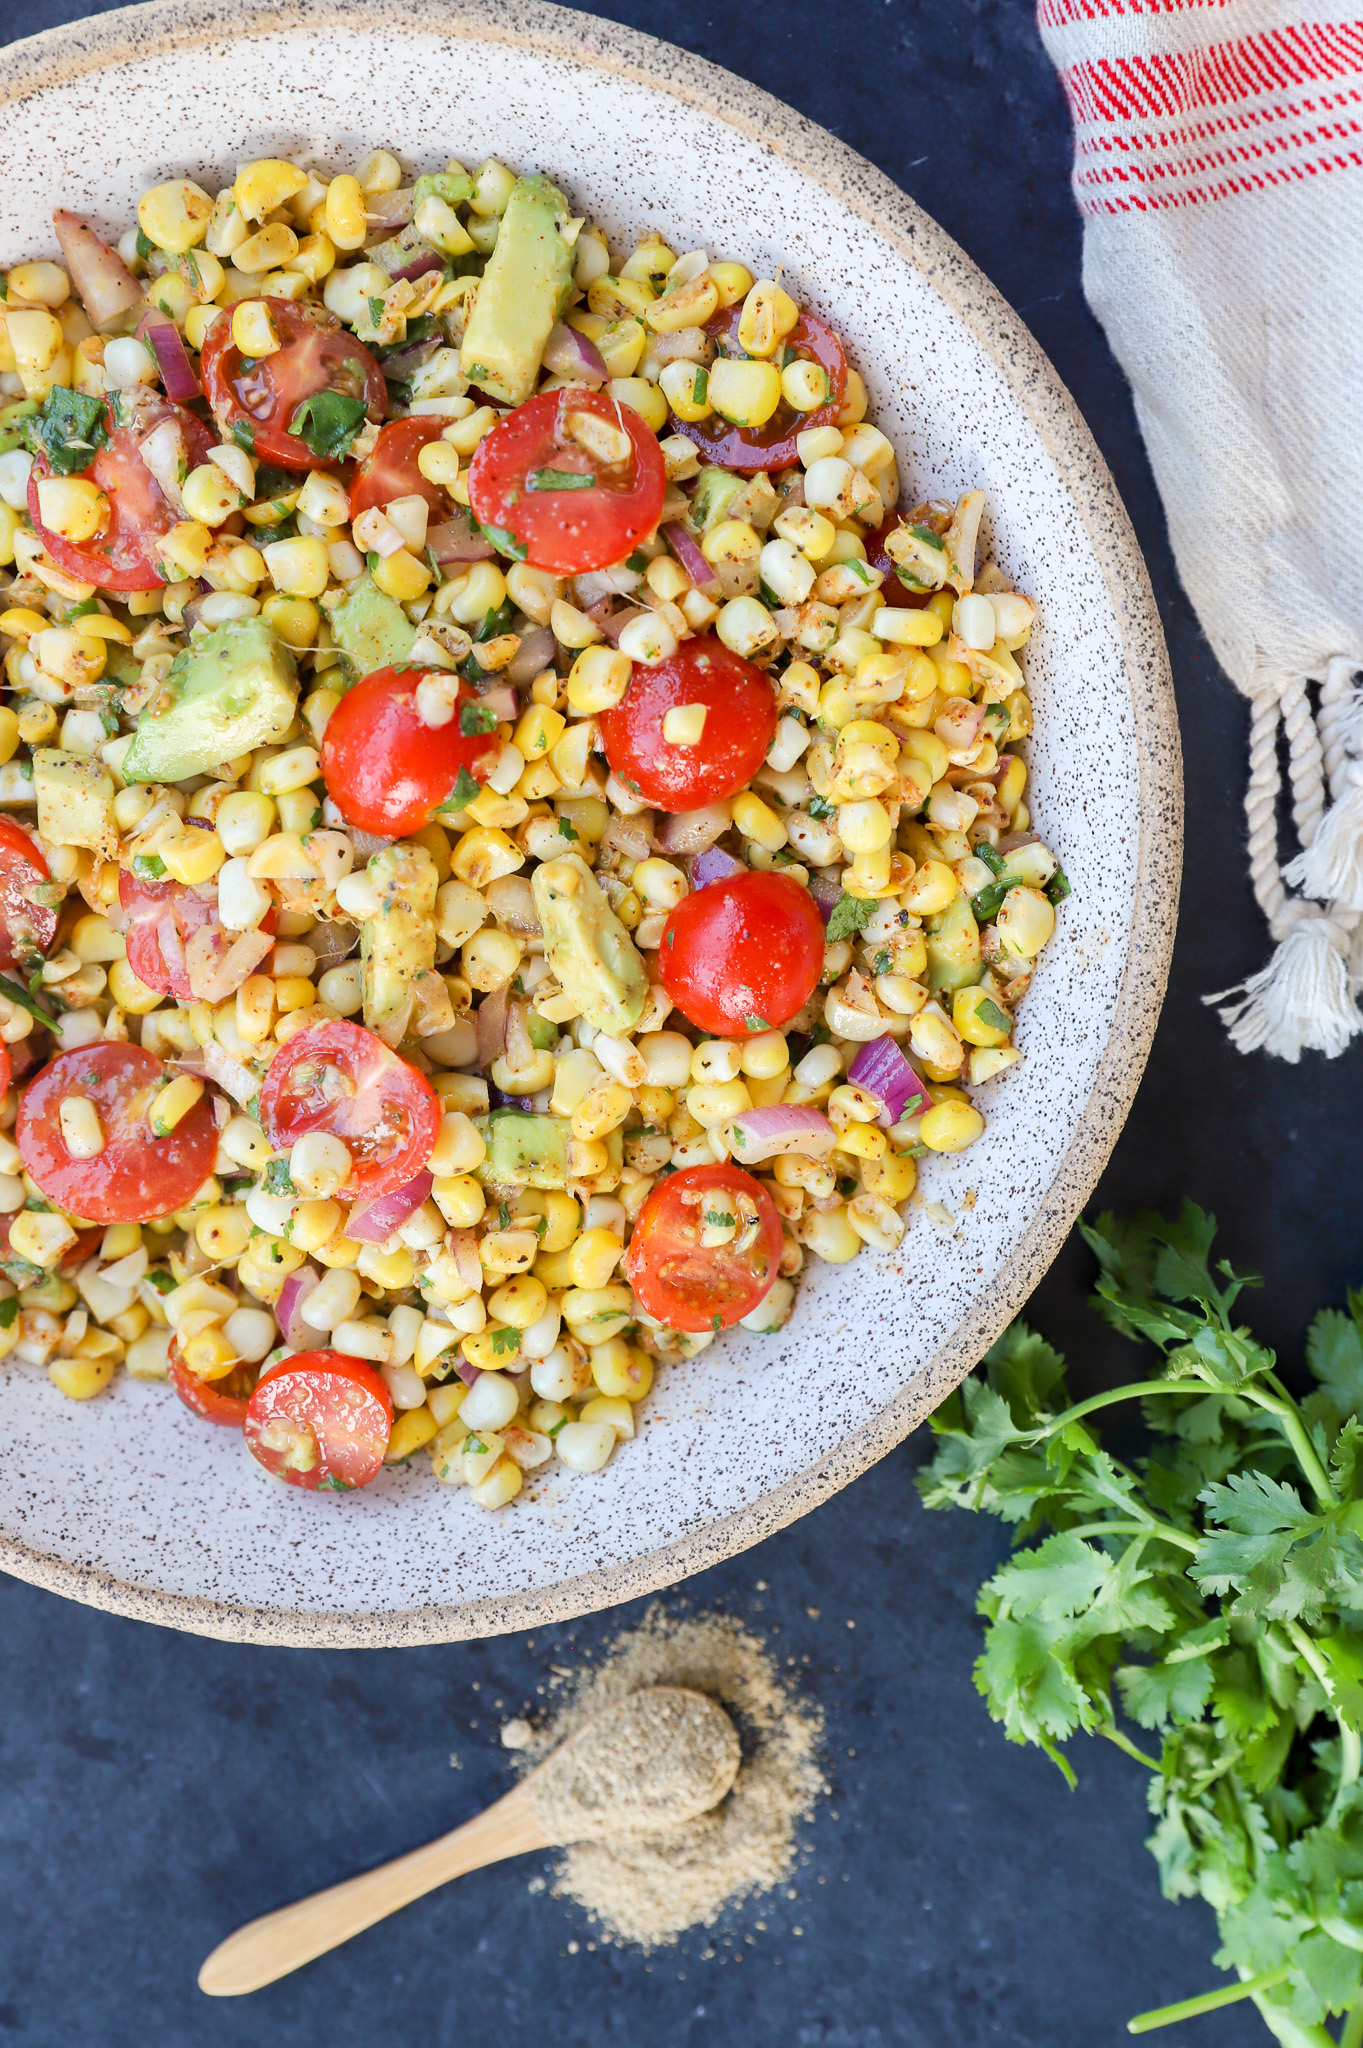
(631, 836)
(377, 1220)
(999, 770)
(490, 1023)
(172, 357)
(570, 354)
(455, 541)
(758, 1134)
(882, 1070)
(693, 831)
(366, 843)
(826, 894)
(230, 1074)
(104, 284)
(686, 548)
(535, 654)
(332, 943)
(613, 623)
(467, 1373)
(429, 259)
(714, 865)
(501, 702)
(389, 209)
(293, 1294)
(399, 366)
(1015, 839)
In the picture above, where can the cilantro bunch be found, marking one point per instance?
(1211, 1592)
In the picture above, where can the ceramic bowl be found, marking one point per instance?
(130, 1503)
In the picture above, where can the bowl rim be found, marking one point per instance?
(130, 34)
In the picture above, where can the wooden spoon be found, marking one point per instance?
(654, 1759)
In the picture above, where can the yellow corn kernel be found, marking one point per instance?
(644, 398)
(733, 281)
(395, 1269)
(36, 723)
(412, 1428)
(538, 731)
(10, 524)
(594, 1257)
(130, 993)
(978, 1017)
(758, 821)
(602, 1109)
(223, 1233)
(732, 540)
(255, 1008)
(893, 1177)
(1011, 783)
(950, 1126)
(72, 507)
(907, 627)
(345, 222)
(745, 393)
(460, 1199)
(173, 1103)
(767, 317)
(615, 1412)
(805, 385)
(314, 1224)
(863, 1141)
(39, 284)
(562, 1219)
(401, 576)
(598, 679)
(81, 1378)
(194, 857)
(20, 622)
(184, 550)
(267, 184)
(294, 992)
(298, 567)
(253, 329)
(500, 1486)
(175, 215)
(931, 890)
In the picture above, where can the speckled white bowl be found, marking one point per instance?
(128, 1502)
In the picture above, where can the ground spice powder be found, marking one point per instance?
(648, 1888)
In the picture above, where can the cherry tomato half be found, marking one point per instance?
(385, 768)
(740, 719)
(570, 512)
(136, 1176)
(321, 1420)
(27, 929)
(161, 916)
(692, 1286)
(771, 447)
(316, 354)
(743, 955)
(391, 470)
(121, 557)
(340, 1078)
(221, 1401)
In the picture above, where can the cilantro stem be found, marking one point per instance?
(1350, 1744)
(1288, 1413)
(1352, 2037)
(1158, 1532)
(1129, 1392)
(1128, 1748)
(1210, 2001)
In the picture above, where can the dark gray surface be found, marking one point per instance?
(155, 1790)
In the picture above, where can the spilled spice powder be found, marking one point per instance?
(647, 1889)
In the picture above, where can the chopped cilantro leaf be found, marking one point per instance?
(560, 480)
(69, 430)
(1058, 888)
(465, 792)
(819, 807)
(476, 718)
(752, 1022)
(506, 543)
(149, 867)
(505, 1341)
(851, 914)
(278, 1180)
(988, 1012)
(244, 434)
(328, 421)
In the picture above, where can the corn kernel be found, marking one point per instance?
(253, 330)
(732, 281)
(757, 821)
(81, 1378)
(173, 1103)
(175, 215)
(72, 507)
(598, 679)
(345, 222)
(195, 856)
(299, 567)
(745, 393)
(399, 576)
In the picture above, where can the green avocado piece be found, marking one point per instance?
(587, 947)
(715, 488)
(522, 292)
(230, 690)
(529, 1151)
(953, 946)
(371, 630)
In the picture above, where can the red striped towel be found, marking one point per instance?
(1219, 169)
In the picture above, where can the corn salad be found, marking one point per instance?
(354, 1094)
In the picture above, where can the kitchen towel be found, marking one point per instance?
(1219, 170)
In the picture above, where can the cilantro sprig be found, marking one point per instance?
(1211, 1593)
(328, 421)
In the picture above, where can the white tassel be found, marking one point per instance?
(1331, 867)
(1300, 1001)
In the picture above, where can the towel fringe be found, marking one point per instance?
(1301, 1001)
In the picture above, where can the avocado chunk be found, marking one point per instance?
(953, 947)
(230, 690)
(715, 490)
(587, 947)
(524, 1150)
(75, 802)
(371, 630)
(522, 292)
(397, 944)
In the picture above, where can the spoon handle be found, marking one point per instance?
(280, 1942)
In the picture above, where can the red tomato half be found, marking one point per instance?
(594, 519)
(771, 447)
(320, 1419)
(139, 511)
(5, 1069)
(385, 767)
(27, 929)
(221, 1401)
(161, 917)
(691, 1286)
(391, 471)
(743, 955)
(136, 1176)
(340, 1078)
(741, 714)
(316, 354)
